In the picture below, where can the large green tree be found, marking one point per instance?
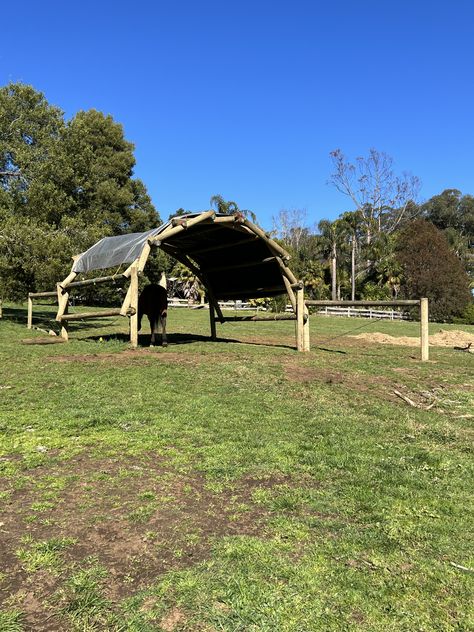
(430, 269)
(63, 185)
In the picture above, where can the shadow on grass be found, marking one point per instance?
(179, 339)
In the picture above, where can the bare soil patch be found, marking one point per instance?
(138, 517)
(444, 338)
(139, 356)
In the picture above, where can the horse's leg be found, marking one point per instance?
(153, 328)
(164, 339)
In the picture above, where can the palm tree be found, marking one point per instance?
(229, 207)
(332, 239)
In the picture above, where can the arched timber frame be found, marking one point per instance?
(232, 257)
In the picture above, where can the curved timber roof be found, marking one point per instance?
(234, 258)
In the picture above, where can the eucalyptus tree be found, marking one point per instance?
(383, 198)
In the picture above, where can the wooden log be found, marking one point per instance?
(143, 258)
(134, 306)
(299, 320)
(291, 294)
(170, 232)
(393, 303)
(260, 318)
(267, 239)
(104, 279)
(424, 330)
(212, 321)
(105, 313)
(41, 294)
(286, 271)
(70, 277)
(51, 340)
(29, 322)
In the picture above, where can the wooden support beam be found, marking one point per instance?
(212, 321)
(134, 307)
(105, 313)
(299, 320)
(285, 270)
(260, 318)
(170, 232)
(105, 279)
(42, 294)
(424, 330)
(143, 258)
(29, 322)
(291, 294)
(70, 277)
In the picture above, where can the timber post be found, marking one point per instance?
(424, 332)
(134, 306)
(300, 307)
(29, 324)
(212, 319)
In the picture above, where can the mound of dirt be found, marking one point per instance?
(444, 338)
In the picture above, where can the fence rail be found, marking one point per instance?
(357, 312)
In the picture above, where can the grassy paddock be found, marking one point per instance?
(233, 485)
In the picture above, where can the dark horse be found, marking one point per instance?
(153, 301)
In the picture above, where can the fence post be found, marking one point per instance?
(424, 339)
(134, 306)
(299, 319)
(29, 323)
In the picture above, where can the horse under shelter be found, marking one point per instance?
(231, 256)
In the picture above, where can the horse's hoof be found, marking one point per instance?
(165, 344)
(152, 345)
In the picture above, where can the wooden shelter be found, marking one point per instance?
(232, 257)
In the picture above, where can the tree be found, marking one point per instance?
(352, 225)
(290, 227)
(230, 207)
(430, 269)
(331, 240)
(451, 209)
(63, 186)
(382, 198)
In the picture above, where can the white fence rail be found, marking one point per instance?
(358, 312)
(235, 305)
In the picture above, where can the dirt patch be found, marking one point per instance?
(139, 517)
(139, 356)
(444, 338)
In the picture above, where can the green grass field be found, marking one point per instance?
(234, 485)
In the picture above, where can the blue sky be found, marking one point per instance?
(247, 99)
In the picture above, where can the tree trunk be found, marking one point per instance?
(353, 280)
(334, 274)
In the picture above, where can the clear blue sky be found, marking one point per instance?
(247, 99)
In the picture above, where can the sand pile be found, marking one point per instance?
(444, 338)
